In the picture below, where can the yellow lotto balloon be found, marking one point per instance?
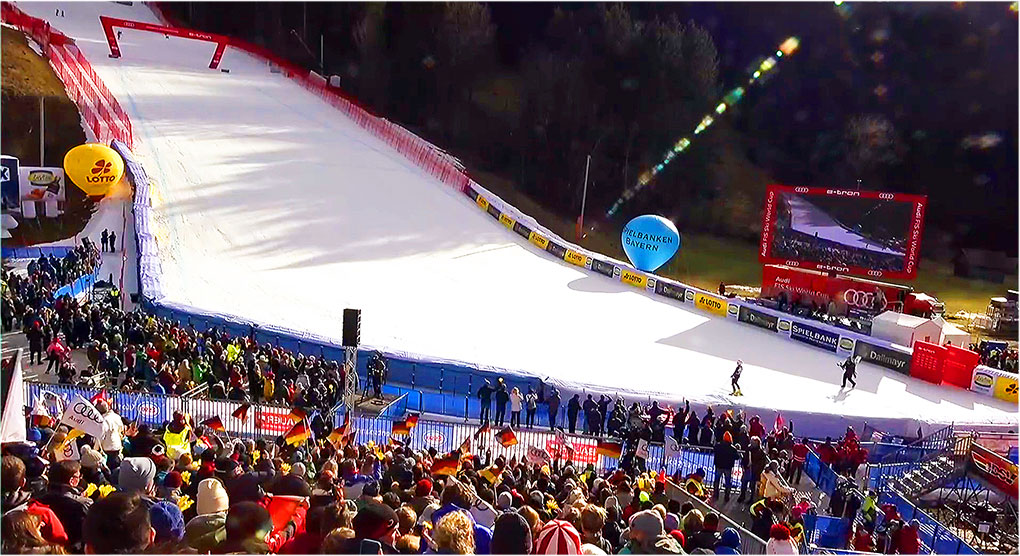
(93, 167)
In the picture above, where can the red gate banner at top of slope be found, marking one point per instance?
(111, 23)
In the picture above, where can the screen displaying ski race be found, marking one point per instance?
(869, 233)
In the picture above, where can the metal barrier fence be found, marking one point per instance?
(749, 542)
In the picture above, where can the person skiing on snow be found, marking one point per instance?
(849, 372)
(735, 378)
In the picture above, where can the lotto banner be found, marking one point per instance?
(634, 279)
(710, 303)
(1006, 388)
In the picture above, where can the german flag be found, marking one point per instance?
(465, 447)
(492, 474)
(446, 465)
(400, 427)
(411, 420)
(241, 412)
(297, 434)
(337, 435)
(482, 430)
(214, 423)
(609, 449)
(297, 415)
(507, 437)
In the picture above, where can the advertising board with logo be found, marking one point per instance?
(1005, 388)
(556, 249)
(575, 258)
(634, 279)
(538, 239)
(39, 183)
(144, 409)
(689, 296)
(710, 303)
(602, 267)
(814, 336)
(983, 380)
(996, 469)
(733, 310)
(846, 345)
(784, 326)
(522, 230)
(672, 291)
(273, 420)
(583, 452)
(440, 436)
(10, 190)
(883, 356)
(757, 318)
(507, 221)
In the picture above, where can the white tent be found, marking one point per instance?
(12, 429)
(904, 330)
(953, 334)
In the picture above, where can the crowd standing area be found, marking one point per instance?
(182, 487)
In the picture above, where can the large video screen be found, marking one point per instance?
(869, 233)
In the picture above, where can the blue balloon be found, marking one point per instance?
(650, 241)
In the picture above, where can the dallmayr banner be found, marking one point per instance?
(671, 291)
(602, 267)
(814, 336)
(885, 357)
(757, 318)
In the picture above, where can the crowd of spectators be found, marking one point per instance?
(793, 245)
(130, 493)
(997, 358)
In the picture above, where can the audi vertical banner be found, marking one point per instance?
(814, 336)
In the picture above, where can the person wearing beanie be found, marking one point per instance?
(168, 522)
(729, 542)
(511, 535)
(422, 496)
(647, 535)
(504, 501)
(374, 522)
(726, 456)
(208, 529)
(170, 489)
(138, 474)
(671, 523)
(93, 466)
(781, 543)
(558, 537)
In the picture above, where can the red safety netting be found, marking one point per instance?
(927, 362)
(98, 107)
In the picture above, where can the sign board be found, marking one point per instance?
(538, 455)
(40, 183)
(82, 415)
(10, 190)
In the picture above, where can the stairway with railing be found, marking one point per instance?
(921, 466)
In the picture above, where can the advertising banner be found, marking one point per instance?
(996, 469)
(507, 221)
(634, 279)
(982, 381)
(82, 415)
(1005, 388)
(273, 420)
(710, 303)
(10, 190)
(583, 452)
(814, 336)
(522, 230)
(846, 345)
(38, 183)
(757, 318)
(538, 239)
(557, 250)
(575, 258)
(882, 356)
(602, 267)
(440, 436)
(669, 290)
(733, 310)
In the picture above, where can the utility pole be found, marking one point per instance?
(584, 198)
(322, 56)
(42, 131)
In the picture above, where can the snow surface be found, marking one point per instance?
(272, 206)
(808, 219)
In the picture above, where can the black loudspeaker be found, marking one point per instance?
(352, 327)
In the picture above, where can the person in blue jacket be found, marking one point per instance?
(729, 542)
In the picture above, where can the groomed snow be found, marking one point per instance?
(274, 207)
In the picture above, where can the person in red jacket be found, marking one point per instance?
(800, 452)
(827, 452)
(863, 541)
(908, 541)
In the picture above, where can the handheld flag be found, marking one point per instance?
(336, 435)
(446, 465)
(82, 415)
(41, 417)
(411, 420)
(297, 415)
(482, 430)
(99, 396)
(609, 449)
(241, 412)
(214, 423)
(492, 474)
(401, 427)
(779, 423)
(507, 437)
(297, 434)
(465, 447)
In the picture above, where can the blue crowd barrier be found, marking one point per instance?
(34, 252)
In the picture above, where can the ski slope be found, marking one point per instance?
(272, 206)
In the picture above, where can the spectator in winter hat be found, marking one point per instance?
(168, 522)
(137, 475)
(558, 537)
(729, 542)
(208, 529)
(780, 541)
(647, 535)
(511, 534)
(375, 522)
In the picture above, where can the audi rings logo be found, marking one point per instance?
(857, 298)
